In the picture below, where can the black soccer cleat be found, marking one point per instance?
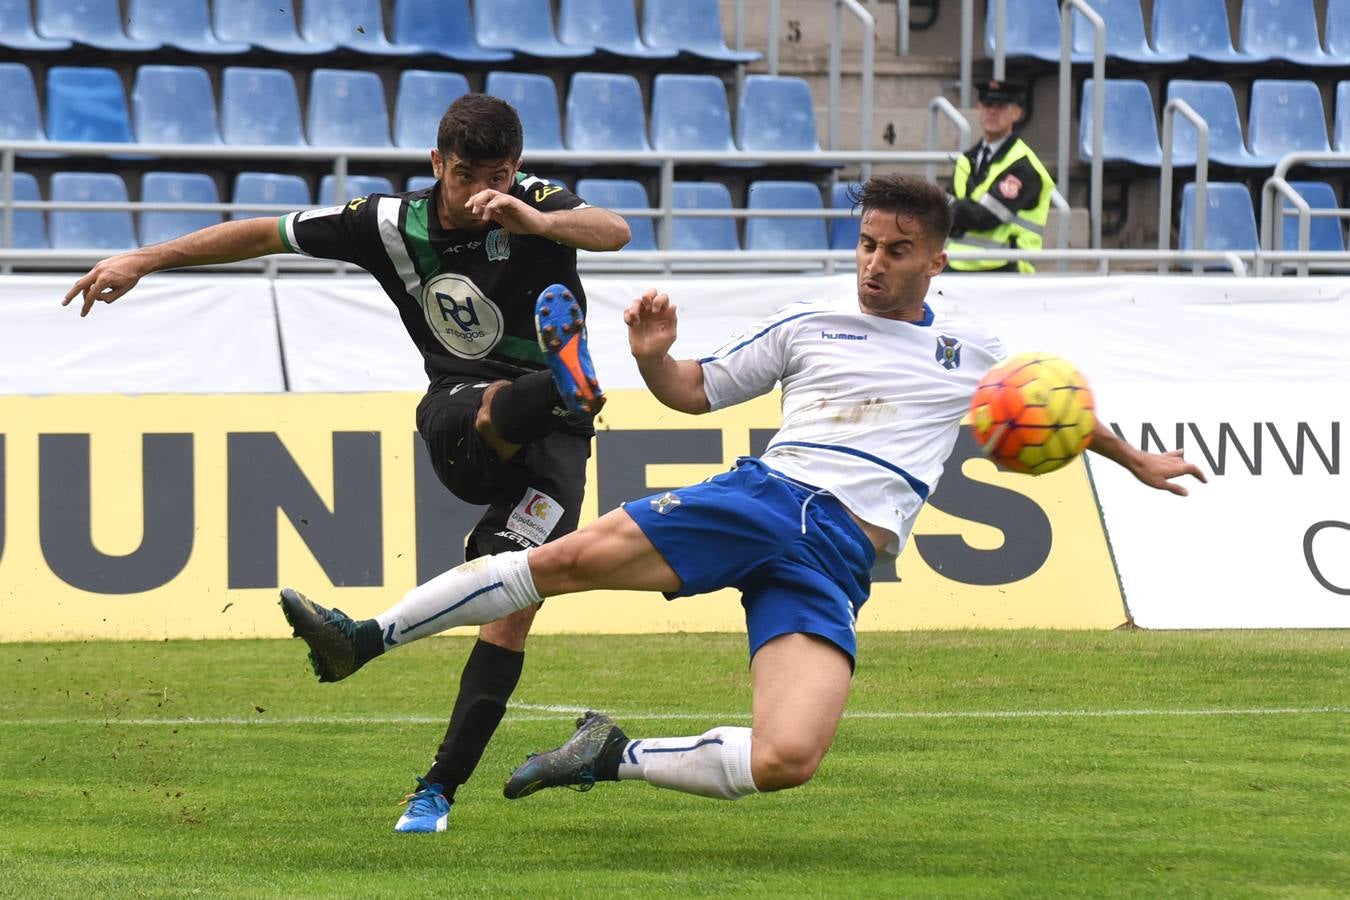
(330, 634)
(571, 765)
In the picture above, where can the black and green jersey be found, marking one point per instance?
(466, 297)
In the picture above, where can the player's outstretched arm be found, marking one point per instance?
(651, 324)
(223, 243)
(588, 228)
(1154, 469)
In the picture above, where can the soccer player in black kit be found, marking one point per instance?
(482, 269)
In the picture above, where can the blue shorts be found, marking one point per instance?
(800, 561)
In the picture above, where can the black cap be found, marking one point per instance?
(996, 91)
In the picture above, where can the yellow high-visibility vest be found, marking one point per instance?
(1020, 230)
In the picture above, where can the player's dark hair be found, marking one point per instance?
(480, 128)
(911, 196)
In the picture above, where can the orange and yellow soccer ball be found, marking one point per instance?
(1032, 413)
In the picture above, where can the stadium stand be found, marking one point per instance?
(422, 97)
(79, 229)
(30, 225)
(174, 105)
(1341, 128)
(775, 113)
(1323, 233)
(180, 24)
(1286, 115)
(333, 95)
(843, 231)
(259, 106)
(525, 26)
(1125, 38)
(20, 117)
(1230, 223)
(536, 99)
(711, 233)
(1337, 30)
(1130, 132)
(1031, 34)
(269, 24)
(270, 188)
(622, 193)
(16, 29)
(86, 104)
(444, 28)
(176, 187)
(357, 186)
(356, 25)
(417, 182)
(611, 27)
(1198, 29)
(1215, 103)
(803, 233)
(604, 112)
(1286, 30)
(692, 26)
(88, 23)
(690, 112)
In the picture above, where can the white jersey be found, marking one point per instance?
(871, 406)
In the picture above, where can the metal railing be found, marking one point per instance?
(1098, 107)
(1274, 191)
(869, 27)
(1174, 106)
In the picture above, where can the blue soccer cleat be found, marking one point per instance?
(428, 811)
(562, 336)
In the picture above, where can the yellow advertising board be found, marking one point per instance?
(179, 516)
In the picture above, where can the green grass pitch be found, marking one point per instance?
(971, 764)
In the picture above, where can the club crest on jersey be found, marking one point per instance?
(948, 352)
(665, 503)
(498, 245)
(461, 316)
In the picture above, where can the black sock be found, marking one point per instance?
(369, 641)
(489, 677)
(607, 764)
(523, 411)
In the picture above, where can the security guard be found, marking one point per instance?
(1001, 191)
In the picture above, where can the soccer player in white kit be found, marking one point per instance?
(874, 388)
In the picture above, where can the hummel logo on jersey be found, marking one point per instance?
(842, 336)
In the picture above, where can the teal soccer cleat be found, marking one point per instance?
(562, 336)
(571, 765)
(330, 633)
(428, 811)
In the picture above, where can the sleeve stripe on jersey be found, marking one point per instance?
(387, 212)
(919, 487)
(751, 340)
(286, 227)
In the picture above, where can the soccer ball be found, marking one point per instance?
(1032, 413)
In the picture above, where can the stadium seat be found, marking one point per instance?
(692, 26)
(269, 188)
(784, 233)
(30, 225)
(1284, 30)
(535, 97)
(357, 186)
(525, 26)
(174, 105)
(181, 24)
(604, 112)
(20, 118)
(1337, 30)
(90, 23)
(16, 29)
(1124, 34)
(259, 106)
(1324, 233)
(608, 25)
(1341, 129)
(1130, 132)
(86, 104)
(713, 233)
(619, 193)
(1198, 28)
(1029, 32)
(844, 232)
(1285, 116)
(1230, 223)
(418, 182)
(347, 109)
(176, 187)
(351, 24)
(1215, 103)
(422, 100)
(442, 27)
(690, 112)
(775, 113)
(269, 24)
(79, 229)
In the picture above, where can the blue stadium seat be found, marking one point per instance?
(357, 186)
(1124, 34)
(269, 24)
(608, 25)
(1337, 30)
(620, 193)
(16, 29)
(525, 26)
(713, 233)
(182, 24)
(444, 28)
(775, 113)
(1198, 28)
(1230, 223)
(346, 109)
(86, 104)
(692, 26)
(174, 105)
(417, 182)
(1342, 125)
(20, 118)
(351, 24)
(604, 112)
(1284, 30)
(1215, 103)
(91, 23)
(690, 112)
(844, 232)
(176, 187)
(422, 100)
(269, 188)
(78, 229)
(1285, 116)
(1130, 132)
(535, 97)
(1031, 30)
(259, 106)
(784, 233)
(1324, 233)
(30, 225)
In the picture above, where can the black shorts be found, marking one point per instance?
(532, 498)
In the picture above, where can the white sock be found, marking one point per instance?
(480, 591)
(713, 764)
